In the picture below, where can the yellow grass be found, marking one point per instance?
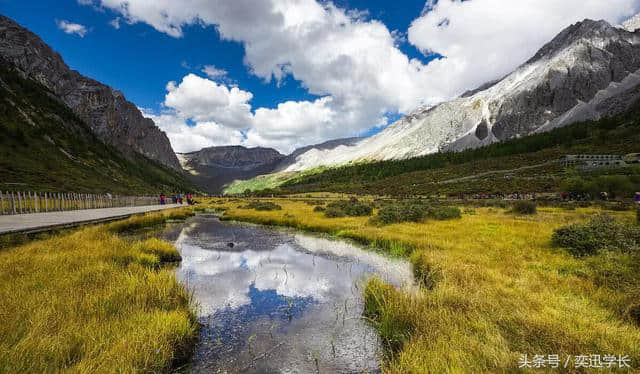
(89, 301)
(499, 290)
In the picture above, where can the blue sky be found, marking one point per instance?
(297, 72)
(134, 59)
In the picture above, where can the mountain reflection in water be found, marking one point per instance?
(278, 301)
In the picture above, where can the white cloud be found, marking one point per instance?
(189, 138)
(115, 23)
(72, 28)
(213, 72)
(353, 63)
(202, 113)
(204, 100)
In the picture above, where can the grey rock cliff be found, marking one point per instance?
(111, 117)
(232, 157)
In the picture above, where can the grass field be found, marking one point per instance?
(89, 301)
(493, 288)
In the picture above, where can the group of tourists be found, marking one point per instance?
(178, 199)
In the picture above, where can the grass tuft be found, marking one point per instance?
(165, 252)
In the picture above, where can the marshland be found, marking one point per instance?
(325, 283)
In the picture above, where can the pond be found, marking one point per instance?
(277, 301)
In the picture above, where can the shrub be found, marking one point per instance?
(334, 213)
(444, 213)
(319, 209)
(351, 208)
(262, 206)
(401, 213)
(602, 232)
(525, 207)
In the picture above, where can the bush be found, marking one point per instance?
(600, 233)
(319, 209)
(351, 208)
(401, 213)
(262, 206)
(444, 213)
(334, 213)
(525, 207)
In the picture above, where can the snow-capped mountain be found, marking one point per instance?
(591, 69)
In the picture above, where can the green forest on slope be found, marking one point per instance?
(438, 173)
(44, 146)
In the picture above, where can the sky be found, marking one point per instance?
(289, 73)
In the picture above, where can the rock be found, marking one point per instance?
(230, 245)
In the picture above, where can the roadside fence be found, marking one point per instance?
(21, 202)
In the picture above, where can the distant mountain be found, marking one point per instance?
(112, 118)
(45, 146)
(216, 167)
(213, 168)
(590, 70)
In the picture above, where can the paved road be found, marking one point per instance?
(36, 222)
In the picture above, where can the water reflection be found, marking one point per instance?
(278, 301)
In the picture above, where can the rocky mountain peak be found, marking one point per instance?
(589, 31)
(110, 116)
(589, 70)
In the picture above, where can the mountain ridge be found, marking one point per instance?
(213, 168)
(46, 147)
(111, 117)
(588, 70)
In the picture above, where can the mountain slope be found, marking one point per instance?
(213, 168)
(110, 116)
(45, 147)
(524, 165)
(591, 69)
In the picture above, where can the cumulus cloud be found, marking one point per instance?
(72, 28)
(199, 112)
(353, 63)
(204, 100)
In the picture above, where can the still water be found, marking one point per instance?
(279, 301)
